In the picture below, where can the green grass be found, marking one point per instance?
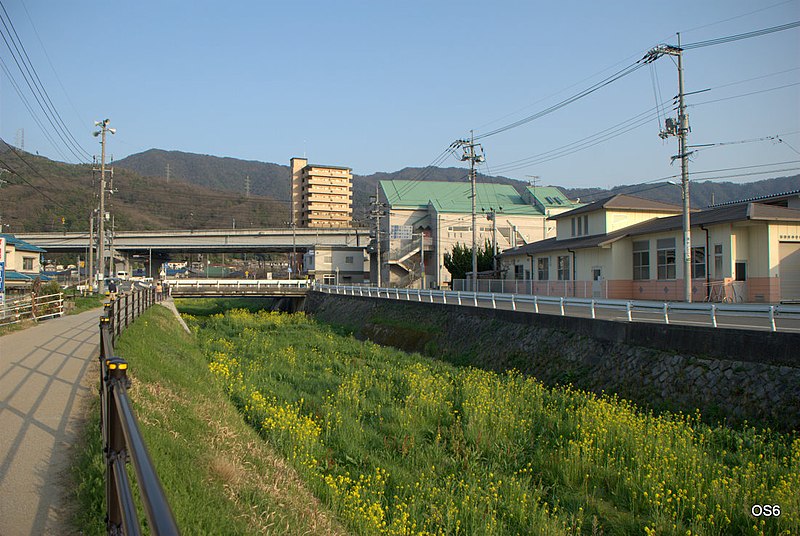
(219, 476)
(402, 444)
(210, 306)
(85, 303)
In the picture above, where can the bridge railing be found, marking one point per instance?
(632, 310)
(238, 283)
(122, 439)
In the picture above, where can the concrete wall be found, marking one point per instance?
(727, 374)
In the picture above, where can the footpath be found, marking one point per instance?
(44, 384)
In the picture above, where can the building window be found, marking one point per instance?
(563, 268)
(580, 225)
(586, 224)
(573, 226)
(543, 268)
(27, 263)
(348, 260)
(718, 261)
(519, 271)
(699, 262)
(641, 259)
(665, 258)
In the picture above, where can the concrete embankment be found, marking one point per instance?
(726, 374)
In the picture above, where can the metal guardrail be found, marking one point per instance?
(38, 308)
(122, 439)
(662, 311)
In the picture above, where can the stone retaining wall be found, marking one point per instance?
(765, 392)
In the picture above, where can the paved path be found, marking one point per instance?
(43, 383)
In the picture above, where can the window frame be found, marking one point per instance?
(543, 268)
(641, 271)
(562, 268)
(666, 259)
(696, 266)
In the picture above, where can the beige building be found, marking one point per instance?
(337, 265)
(625, 247)
(322, 196)
(22, 263)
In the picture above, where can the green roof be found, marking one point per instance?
(455, 197)
(550, 197)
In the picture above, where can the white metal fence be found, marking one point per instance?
(238, 283)
(631, 310)
(38, 308)
(576, 289)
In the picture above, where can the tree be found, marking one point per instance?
(459, 262)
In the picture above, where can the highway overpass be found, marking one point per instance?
(184, 241)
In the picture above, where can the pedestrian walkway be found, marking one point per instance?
(44, 383)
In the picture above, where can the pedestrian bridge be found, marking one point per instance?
(232, 288)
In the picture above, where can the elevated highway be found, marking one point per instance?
(183, 241)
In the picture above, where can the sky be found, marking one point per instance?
(380, 86)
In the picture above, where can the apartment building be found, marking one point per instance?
(322, 196)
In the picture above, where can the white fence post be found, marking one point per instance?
(535, 303)
(714, 314)
(629, 308)
(494, 303)
(513, 303)
(475, 296)
(666, 313)
(561, 301)
(772, 318)
(593, 315)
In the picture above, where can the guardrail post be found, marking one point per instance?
(561, 303)
(396, 293)
(772, 318)
(430, 294)
(714, 314)
(593, 315)
(629, 309)
(475, 296)
(666, 313)
(458, 294)
(494, 303)
(115, 374)
(535, 303)
(444, 297)
(513, 303)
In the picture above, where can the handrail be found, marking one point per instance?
(663, 310)
(257, 283)
(122, 439)
(13, 311)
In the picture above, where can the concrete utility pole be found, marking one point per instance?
(90, 257)
(473, 157)
(376, 213)
(101, 232)
(681, 130)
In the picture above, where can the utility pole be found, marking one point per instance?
(376, 213)
(681, 130)
(101, 232)
(470, 154)
(90, 254)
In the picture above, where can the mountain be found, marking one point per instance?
(228, 174)
(208, 191)
(38, 193)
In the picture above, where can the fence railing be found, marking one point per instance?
(122, 439)
(239, 283)
(571, 288)
(33, 307)
(630, 310)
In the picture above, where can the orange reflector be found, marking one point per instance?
(112, 366)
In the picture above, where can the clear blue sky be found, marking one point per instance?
(379, 86)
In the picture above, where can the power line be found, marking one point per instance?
(746, 94)
(34, 83)
(739, 37)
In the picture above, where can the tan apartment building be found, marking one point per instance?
(322, 196)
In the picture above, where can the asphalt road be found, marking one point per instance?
(738, 321)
